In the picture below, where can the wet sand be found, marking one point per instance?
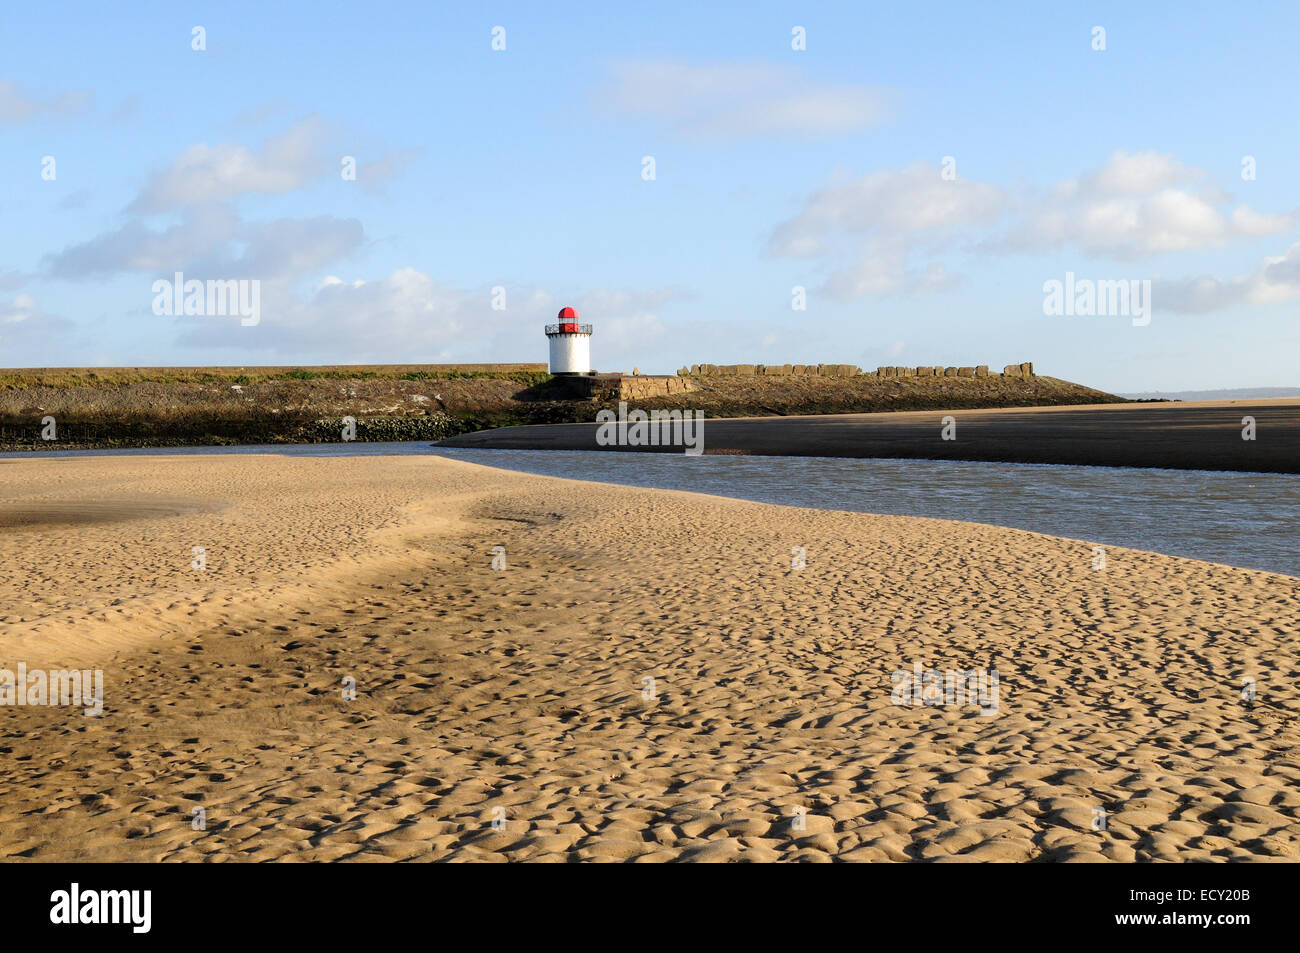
(650, 677)
(1203, 435)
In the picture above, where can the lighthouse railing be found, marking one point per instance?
(568, 328)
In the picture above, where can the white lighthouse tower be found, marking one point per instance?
(570, 344)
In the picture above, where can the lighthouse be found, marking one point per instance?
(570, 344)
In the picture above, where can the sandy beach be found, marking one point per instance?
(650, 676)
(1192, 435)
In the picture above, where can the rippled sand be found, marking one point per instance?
(648, 678)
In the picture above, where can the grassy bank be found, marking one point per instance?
(142, 407)
(65, 378)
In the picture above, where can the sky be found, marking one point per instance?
(748, 183)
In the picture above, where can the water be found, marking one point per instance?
(1242, 519)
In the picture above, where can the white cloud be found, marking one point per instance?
(1248, 222)
(20, 105)
(205, 173)
(867, 231)
(898, 203)
(19, 309)
(1136, 204)
(878, 221)
(1137, 174)
(1196, 295)
(211, 238)
(137, 247)
(732, 101)
(212, 241)
(409, 316)
(308, 150)
(289, 247)
(397, 317)
(10, 280)
(628, 324)
(614, 302)
(29, 335)
(1277, 280)
(373, 176)
(1123, 226)
(882, 269)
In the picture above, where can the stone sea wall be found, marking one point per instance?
(640, 388)
(625, 386)
(846, 370)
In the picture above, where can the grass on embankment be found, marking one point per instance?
(94, 377)
(160, 406)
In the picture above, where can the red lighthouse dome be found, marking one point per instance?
(568, 318)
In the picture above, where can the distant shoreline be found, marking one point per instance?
(1226, 393)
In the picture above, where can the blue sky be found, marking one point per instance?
(522, 169)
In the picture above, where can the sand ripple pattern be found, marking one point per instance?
(506, 715)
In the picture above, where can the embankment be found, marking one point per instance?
(126, 407)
